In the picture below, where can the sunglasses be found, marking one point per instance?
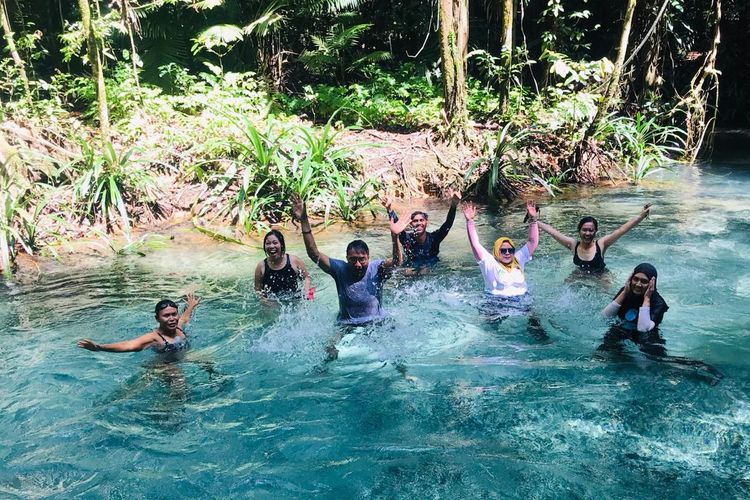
(510, 250)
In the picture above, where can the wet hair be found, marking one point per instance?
(358, 246)
(588, 219)
(279, 236)
(419, 212)
(163, 304)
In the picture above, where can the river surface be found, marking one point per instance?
(445, 400)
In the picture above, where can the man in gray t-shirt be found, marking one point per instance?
(359, 281)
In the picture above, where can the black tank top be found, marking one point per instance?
(594, 265)
(285, 280)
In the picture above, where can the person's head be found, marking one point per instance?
(358, 257)
(419, 222)
(504, 251)
(273, 243)
(641, 278)
(587, 228)
(167, 314)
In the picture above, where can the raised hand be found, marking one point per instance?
(192, 300)
(387, 202)
(531, 208)
(627, 286)
(646, 210)
(469, 209)
(650, 290)
(454, 195)
(298, 207)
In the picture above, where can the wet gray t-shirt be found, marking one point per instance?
(359, 300)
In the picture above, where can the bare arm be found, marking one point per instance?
(259, 277)
(132, 345)
(562, 239)
(299, 211)
(192, 303)
(609, 239)
(469, 212)
(397, 257)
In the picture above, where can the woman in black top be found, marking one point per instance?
(588, 253)
(280, 274)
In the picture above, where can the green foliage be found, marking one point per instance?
(106, 184)
(339, 53)
(642, 144)
(402, 100)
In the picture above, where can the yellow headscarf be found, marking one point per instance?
(496, 252)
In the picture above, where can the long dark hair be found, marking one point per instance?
(279, 236)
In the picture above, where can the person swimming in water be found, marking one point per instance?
(359, 280)
(168, 338)
(588, 252)
(503, 271)
(421, 247)
(640, 310)
(280, 274)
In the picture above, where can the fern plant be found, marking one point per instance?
(336, 53)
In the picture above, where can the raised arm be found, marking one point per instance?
(533, 227)
(469, 212)
(192, 303)
(133, 345)
(566, 241)
(609, 239)
(441, 233)
(396, 258)
(299, 212)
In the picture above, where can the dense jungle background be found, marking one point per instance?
(130, 114)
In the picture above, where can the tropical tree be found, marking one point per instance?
(454, 40)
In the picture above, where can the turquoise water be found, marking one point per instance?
(487, 409)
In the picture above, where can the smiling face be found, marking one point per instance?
(272, 246)
(419, 223)
(358, 260)
(587, 232)
(168, 319)
(506, 253)
(639, 283)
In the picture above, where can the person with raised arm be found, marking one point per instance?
(168, 338)
(588, 251)
(503, 269)
(359, 280)
(421, 247)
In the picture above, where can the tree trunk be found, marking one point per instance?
(509, 11)
(8, 35)
(97, 71)
(454, 38)
(703, 84)
(613, 84)
(125, 11)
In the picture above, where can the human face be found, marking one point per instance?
(358, 262)
(506, 253)
(587, 231)
(639, 283)
(168, 319)
(419, 224)
(272, 247)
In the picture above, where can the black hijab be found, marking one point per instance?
(633, 302)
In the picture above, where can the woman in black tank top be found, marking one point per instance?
(588, 252)
(280, 273)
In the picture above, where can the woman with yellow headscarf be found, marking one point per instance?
(503, 268)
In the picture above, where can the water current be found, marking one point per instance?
(442, 401)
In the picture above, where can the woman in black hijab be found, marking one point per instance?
(641, 309)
